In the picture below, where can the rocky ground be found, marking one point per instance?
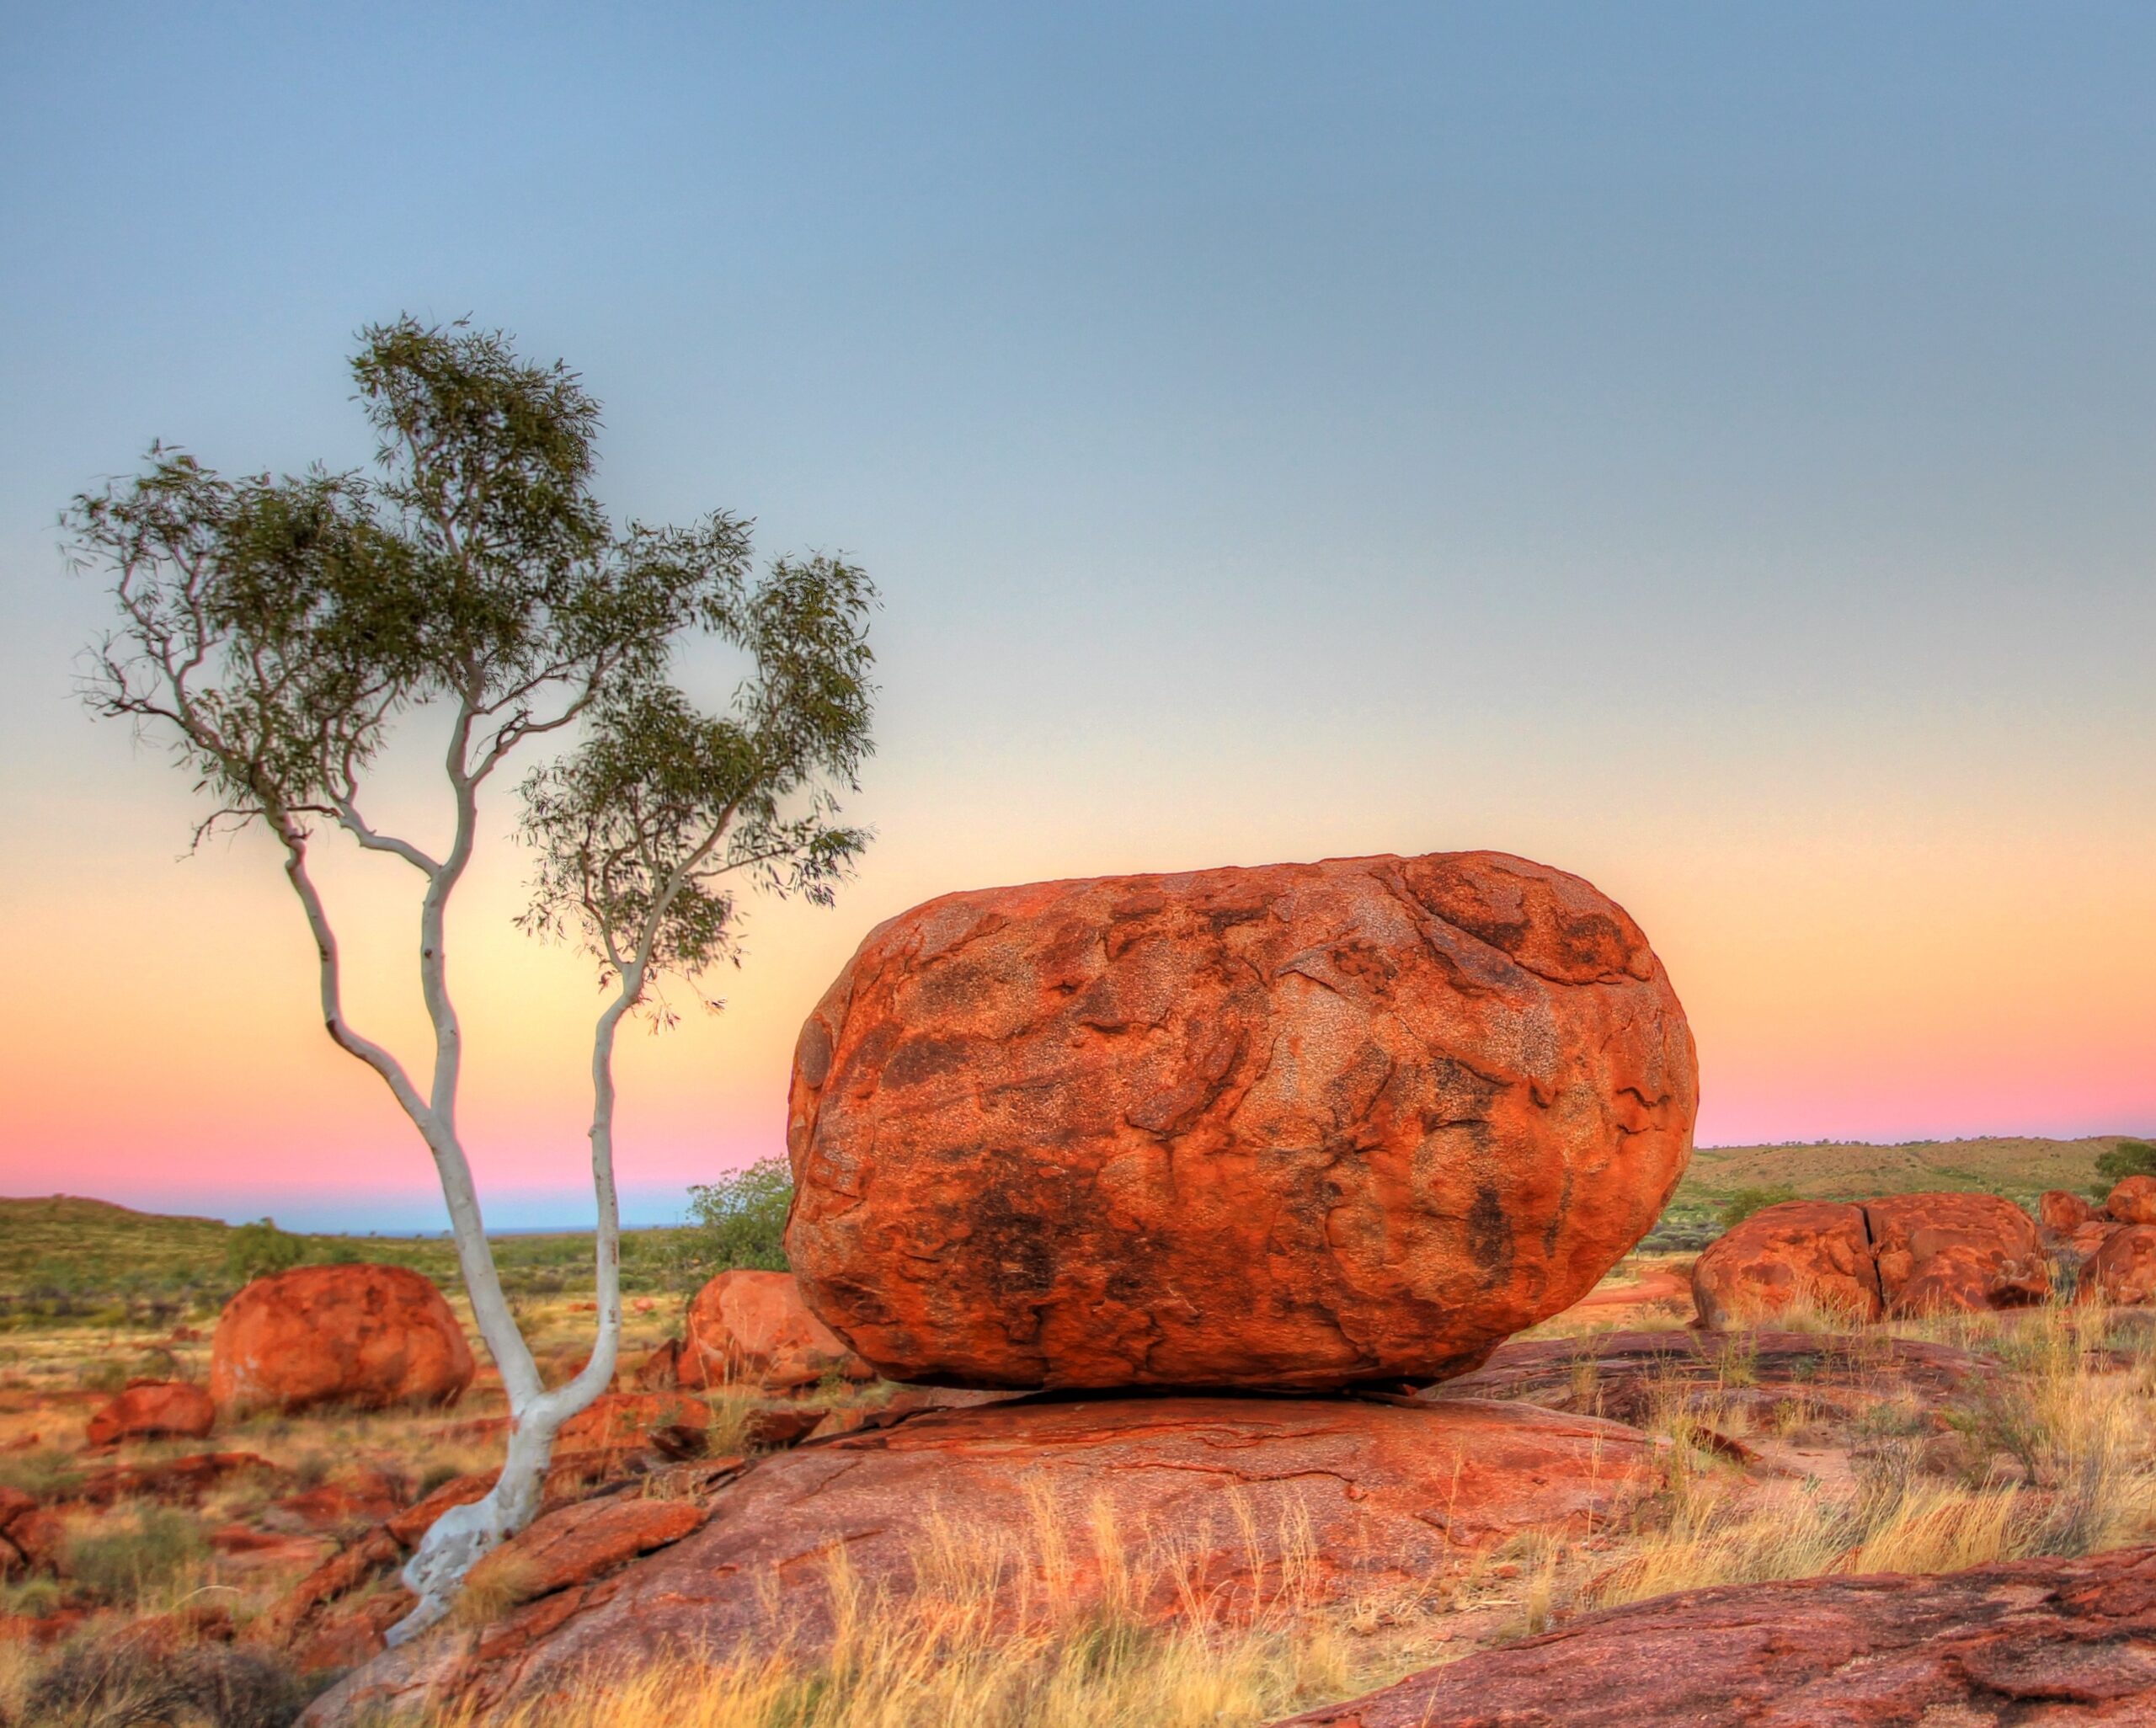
(1259, 1556)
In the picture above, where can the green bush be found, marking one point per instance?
(257, 1250)
(2128, 1158)
(1741, 1204)
(736, 1221)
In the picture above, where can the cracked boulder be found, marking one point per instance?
(2056, 1642)
(1905, 1254)
(1801, 1253)
(1031, 1507)
(153, 1410)
(365, 1338)
(1301, 1126)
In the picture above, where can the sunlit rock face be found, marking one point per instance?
(1303, 1125)
(366, 1336)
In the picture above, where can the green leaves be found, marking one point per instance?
(639, 830)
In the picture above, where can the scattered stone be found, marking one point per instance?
(752, 1328)
(1232, 1499)
(32, 1538)
(2053, 1641)
(1307, 1125)
(1803, 1251)
(366, 1336)
(2123, 1271)
(616, 1420)
(661, 1371)
(183, 1480)
(772, 1428)
(2133, 1201)
(154, 1409)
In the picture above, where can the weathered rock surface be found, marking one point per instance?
(154, 1409)
(2123, 1269)
(1625, 1374)
(2063, 1211)
(1229, 1497)
(618, 1419)
(1903, 1254)
(1969, 1251)
(752, 1328)
(368, 1337)
(2133, 1201)
(1803, 1251)
(2052, 1642)
(32, 1538)
(1307, 1125)
(582, 1542)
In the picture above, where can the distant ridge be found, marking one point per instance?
(2020, 1166)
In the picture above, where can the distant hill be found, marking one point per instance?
(64, 1255)
(2018, 1166)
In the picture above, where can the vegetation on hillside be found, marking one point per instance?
(1723, 1179)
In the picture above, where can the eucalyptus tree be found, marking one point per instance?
(277, 634)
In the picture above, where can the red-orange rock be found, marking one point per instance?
(366, 1336)
(1306, 1125)
(174, 1479)
(1234, 1500)
(580, 1542)
(154, 1409)
(618, 1419)
(2123, 1270)
(2058, 1209)
(2059, 1643)
(1963, 1251)
(2133, 1201)
(32, 1538)
(753, 1328)
(661, 1371)
(1814, 1251)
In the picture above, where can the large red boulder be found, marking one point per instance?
(1306, 1125)
(2063, 1212)
(154, 1409)
(753, 1328)
(1960, 1251)
(365, 1336)
(2050, 1642)
(2133, 1201)
(2123, 1271)
(1813, 1252)
(1043, 1507)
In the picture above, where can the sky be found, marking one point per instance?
(1707, 448)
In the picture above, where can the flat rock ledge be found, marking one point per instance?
(2057, 1643)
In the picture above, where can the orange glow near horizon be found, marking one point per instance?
(1866, 991)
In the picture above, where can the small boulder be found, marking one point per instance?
(2123, 1270)
(2061, 1211)
(366, 1336)
(154, 1409)
(616, 1420)
(2133, 1201)
(753, 1328)
(32, 1538)
(1812, 1251)
(1301, 1125)
(1969, 1252)
(660, 1370)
